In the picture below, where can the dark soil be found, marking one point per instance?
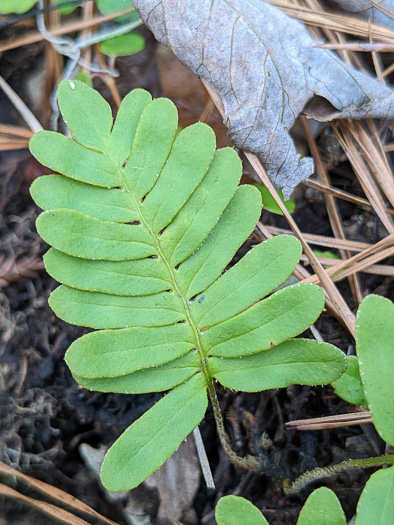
(45, 415)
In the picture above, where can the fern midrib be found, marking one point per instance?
(174, 282)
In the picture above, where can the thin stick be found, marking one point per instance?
(338, 421)
(364, 47)
(359, 267)
(202, 456)
(108, 80)
(376, 158)
(16, 131)
(72, 27)
(341, 194)
(376, 269)
(344, 312)
(322, 240)
(350, 266)
(337, 300)
(332, 208)
(349, 143)
(337, 22)
(388, 70)
(47, 508)
(52, 492)
(21, 107)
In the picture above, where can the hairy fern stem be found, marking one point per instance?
(248, 462)
(318, 473)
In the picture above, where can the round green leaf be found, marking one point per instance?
(349, 386)
(68, 9)
(18, 7)
(85, 78)
(128, 44)
(375, 351)
(107, 7)
(269, 203)
(233, 510)
(376, 503)
(326, 253)
(322, 508)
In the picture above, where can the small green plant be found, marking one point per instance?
(234, 510)
(119, 45)
(321, 508)
(11, 6)
(22, 6)
(269, 203)
(349, 386)
(142, 223)
(369, 376)
(376, 505)
(368, 381)
(107, 7)
(68, 9)
(128, 44)
(375, 353)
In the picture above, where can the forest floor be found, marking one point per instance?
(54, 430)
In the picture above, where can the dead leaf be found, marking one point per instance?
(378, 12)
(133, 509)
(266, 70)
(177, 482)
(93, 458)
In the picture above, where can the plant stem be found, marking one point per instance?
(318, 473)
(248, 462)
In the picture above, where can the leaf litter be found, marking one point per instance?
(265, 88)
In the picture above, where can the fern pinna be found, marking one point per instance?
(142, 223)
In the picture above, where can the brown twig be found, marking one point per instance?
(321, 423)
(363, 47)
(55, 494)
(336, 22)
(65, 29)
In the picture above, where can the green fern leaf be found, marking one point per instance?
(142, 223)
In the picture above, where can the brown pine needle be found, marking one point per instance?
(375, 269)
(54, 493)
(71, 27)
(337, 22)
(363, 47)
(47, 508)
(350, 144)
(355, 263)
(7, 144)
(16, 131)
(341, 194)
(332, 208)
(322, 240)
(321, 423)
(344, 312)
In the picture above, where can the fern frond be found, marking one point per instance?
(142, 223)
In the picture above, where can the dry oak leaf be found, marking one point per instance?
(266, 70)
